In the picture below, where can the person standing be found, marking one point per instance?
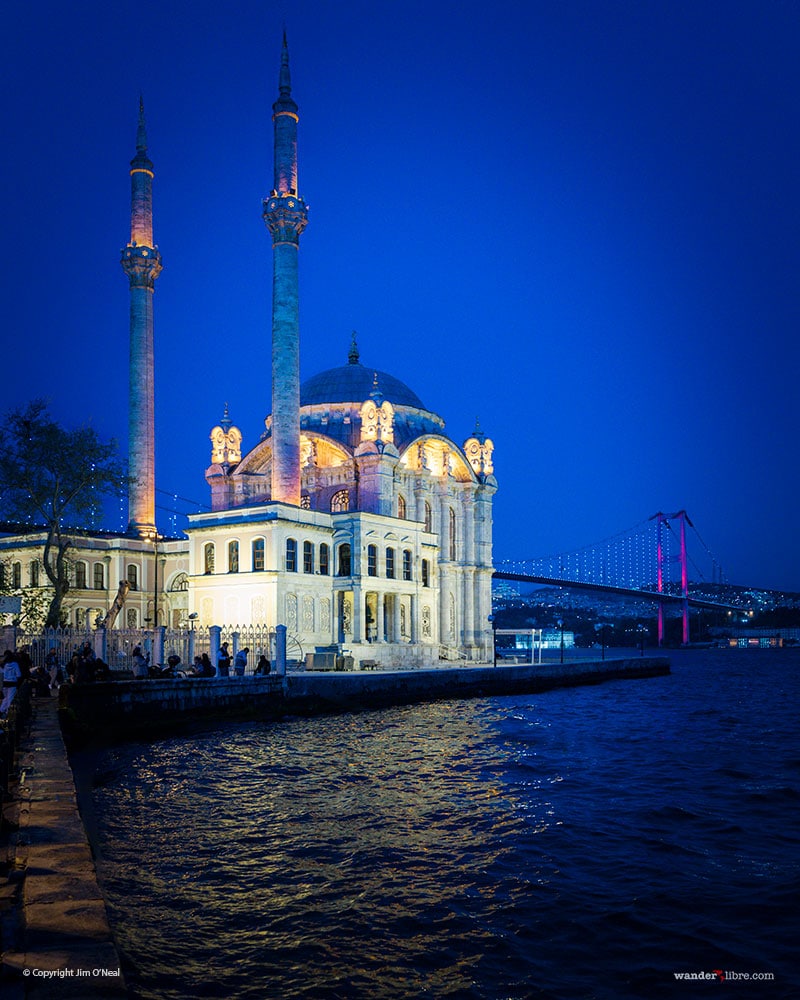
(224, 661)
(140, 663)
(240, 662)
(11, 678)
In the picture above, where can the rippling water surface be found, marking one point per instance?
(582, 843)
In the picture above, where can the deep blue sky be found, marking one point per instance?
(577, 220)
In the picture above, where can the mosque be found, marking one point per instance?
(354, 520)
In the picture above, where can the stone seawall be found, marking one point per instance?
(126, 709)
(59, 944)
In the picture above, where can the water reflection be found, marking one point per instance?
(357, 846)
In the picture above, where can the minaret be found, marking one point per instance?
(141, 261)
(286, 215)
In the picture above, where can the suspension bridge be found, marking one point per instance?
(650, 561)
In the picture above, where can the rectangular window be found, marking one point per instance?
(291, 555)
(34, 570)
(233, 557)
(426, 582)
(99, 577)
(372, 560)
(308, 557)
(133, 577)
(80, 576)
(324, 559)
(406, 564)
(258, 555)
(390, 564)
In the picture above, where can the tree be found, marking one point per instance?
(54, 478)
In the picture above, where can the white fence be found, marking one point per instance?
(115, 646)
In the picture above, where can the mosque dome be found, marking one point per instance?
(353, 383)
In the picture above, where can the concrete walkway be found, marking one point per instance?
(63, 946)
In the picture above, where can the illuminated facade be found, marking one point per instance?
(141, 262)
(354, 519)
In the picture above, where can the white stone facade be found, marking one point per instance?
(389, 554)
(157, 572)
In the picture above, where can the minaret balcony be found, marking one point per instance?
(286, 216)
(142, 264)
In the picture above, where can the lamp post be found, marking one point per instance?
(560, 624)
(600, 628)
(641, 629)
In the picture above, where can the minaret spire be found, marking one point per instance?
(141, 133)
(286, 215)
(285, 79)
(141, 261)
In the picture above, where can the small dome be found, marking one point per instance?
(353, 383)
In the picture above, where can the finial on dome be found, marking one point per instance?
(478, 433)
(376, 393)
(226, 423)
(352, 354)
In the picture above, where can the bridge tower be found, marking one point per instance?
(664, 519)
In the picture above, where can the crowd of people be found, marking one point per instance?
(84, 666)
(17, 666)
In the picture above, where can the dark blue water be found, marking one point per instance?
(583, 843)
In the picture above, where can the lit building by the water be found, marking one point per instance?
(351, 517)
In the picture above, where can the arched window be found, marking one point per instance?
(33, 570)
(343, 568)
(406, 564)
(452, 538)
(340, 501)
(80, 576)
(426, 573)
(291, 555)
(180, 583)
(258, 555)
(428, 517)
(372, 560)
(208, 557)
(324, 559)
(16, 575)
(308, 557)
(233, 557)
(401, 506)
(133, 576)
(99, 571)
(390, 564)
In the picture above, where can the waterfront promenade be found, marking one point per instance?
(56, 939)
